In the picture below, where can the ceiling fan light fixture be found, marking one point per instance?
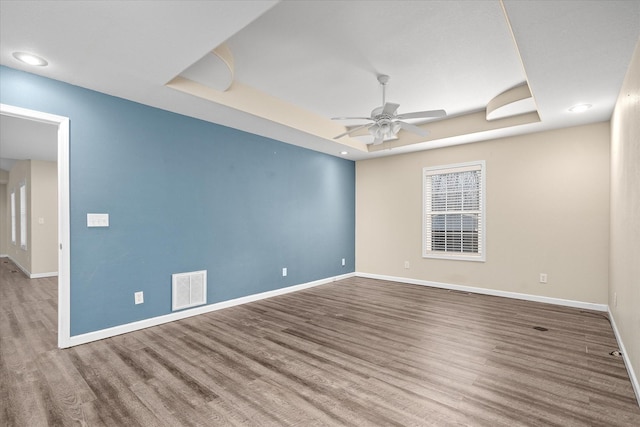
(384, 129)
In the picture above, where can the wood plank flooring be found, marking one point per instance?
(358, 352)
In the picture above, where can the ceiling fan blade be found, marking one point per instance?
(351, 118)
(414, 129)
(390, 108)
(350, 131)
(378, 141)
(423, 114)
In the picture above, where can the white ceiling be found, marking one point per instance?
(22, 139)
(325, 56)
(321, 58)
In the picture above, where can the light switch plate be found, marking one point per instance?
(97, 220)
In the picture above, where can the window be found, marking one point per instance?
(13, 216)
(453, 217)
(23, 215)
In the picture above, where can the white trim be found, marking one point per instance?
(12, 215)
(4, 255)
(625, 356)
(477, 165)
(155, 321)
(24, 221)
(43, 275)
(494, 292)
(27, 272)
(64, 239)
(454, 256)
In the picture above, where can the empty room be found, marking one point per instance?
(320, 213)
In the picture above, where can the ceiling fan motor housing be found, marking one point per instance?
(383, 79)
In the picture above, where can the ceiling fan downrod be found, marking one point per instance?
(383, 79)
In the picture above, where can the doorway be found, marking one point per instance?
(62, 124)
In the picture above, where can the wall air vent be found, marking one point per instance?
(188, 289)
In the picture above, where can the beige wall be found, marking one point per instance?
(44, 217)
(41, 255)
(547, 211)
(20, 172)
(624, 262)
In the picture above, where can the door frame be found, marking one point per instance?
(64, 238)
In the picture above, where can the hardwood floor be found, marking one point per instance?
(357, 352)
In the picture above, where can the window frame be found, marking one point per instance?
(429, 171)
(23, 215)
(13, 216)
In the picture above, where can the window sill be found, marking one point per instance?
(456, 257)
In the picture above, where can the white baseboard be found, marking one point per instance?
(146, 323)
(28, 273)
(4, 256)
(42, 275)
(142, 324)
(625, 356)
(494, 292)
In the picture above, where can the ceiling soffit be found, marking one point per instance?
(293, 65)
(217, 77)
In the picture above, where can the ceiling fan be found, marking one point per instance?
(386, 122)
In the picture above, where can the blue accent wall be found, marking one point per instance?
(185, 195)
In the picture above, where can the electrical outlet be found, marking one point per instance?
(543, 277)
(406, 265)
(284, 272)
(138, 297)
(343, 262)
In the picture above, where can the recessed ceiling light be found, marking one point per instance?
(344, 153)
(29, 58)
(580, 108)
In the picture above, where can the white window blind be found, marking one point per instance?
(453, 212)
(23, 215)
(13, 217)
